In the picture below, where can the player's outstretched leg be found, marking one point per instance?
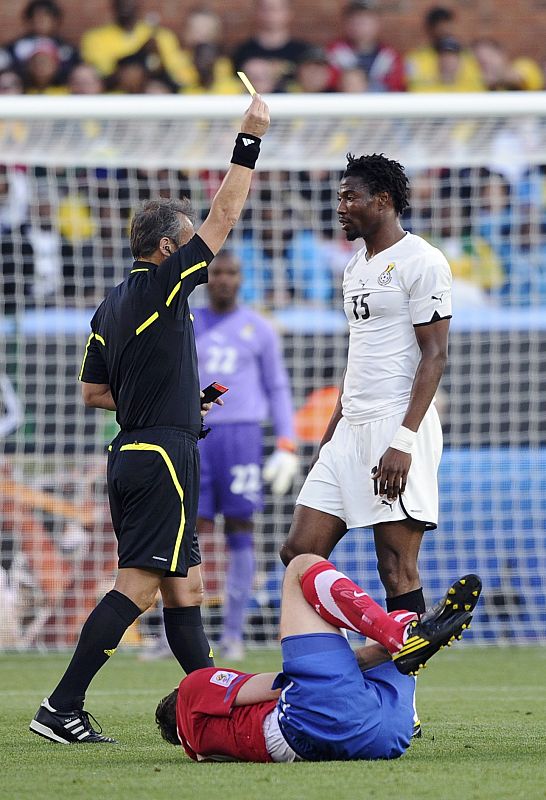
(344, 604)
(439, 626)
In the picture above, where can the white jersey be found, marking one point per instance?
(407, 285)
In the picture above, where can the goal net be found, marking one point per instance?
(72, 170)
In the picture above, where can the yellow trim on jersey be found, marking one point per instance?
(166, 458)
(182, 276)
(85, 355)
(140, 269)
(147, 322)
(92, 335)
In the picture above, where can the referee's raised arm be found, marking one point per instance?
(229, 200)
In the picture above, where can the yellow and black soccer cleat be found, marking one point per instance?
(439, 626)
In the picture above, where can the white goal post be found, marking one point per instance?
(72, 170)
(318, 129)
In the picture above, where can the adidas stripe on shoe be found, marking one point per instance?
(439, 626)
(67, 727)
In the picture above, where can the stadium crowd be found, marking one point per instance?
(62, 229)
(135, 53)
(62, 233)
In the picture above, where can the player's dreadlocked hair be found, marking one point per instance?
(165, 717)
(381, 174)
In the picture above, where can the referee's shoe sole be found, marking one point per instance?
(439, 626)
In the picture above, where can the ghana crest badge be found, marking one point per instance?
(385, 278)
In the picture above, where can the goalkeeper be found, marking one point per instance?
(239, 349)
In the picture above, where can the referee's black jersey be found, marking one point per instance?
(142, 343)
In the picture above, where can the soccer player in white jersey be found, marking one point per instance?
(378, 459)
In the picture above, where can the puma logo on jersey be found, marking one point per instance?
(386, 503)
(439, 297)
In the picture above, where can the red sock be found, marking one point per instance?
(344, 604)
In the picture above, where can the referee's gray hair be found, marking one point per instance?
(155, 219)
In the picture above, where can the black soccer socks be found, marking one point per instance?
(187, 638)
(410, 601)
(98, 641)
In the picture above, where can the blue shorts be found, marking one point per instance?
(231, 471)
(330, 710)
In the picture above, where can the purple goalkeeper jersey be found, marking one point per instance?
(241, 350)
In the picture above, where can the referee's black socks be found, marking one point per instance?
(98, 641)
(187, 638)
(410, 601)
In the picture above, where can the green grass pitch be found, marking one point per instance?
(483, 712)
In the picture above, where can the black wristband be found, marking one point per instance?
(246, 150)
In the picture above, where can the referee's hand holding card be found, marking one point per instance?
(256, 119)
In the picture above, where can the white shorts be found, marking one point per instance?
(340, 483)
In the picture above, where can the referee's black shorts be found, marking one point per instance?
(153, 488)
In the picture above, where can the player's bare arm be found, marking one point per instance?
(229, 199)
(257, 690)
(98, 395)
(392, 470)
(371, 655)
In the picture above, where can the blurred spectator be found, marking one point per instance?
(74, 218)
(130, 75)
(272, 39)
(162, 183)
(470, 256)
(42, 19)
(352, 81)
(313, 73)
(40, 69)
(443, 61)
(14, 198)
(361, 47)
(450, 70)
(84, 79)
(511, 219)
(105, 46)
(496, 217)
(443, 206)
(18, 285)
(282, 259)
(262, 74)
(209, 69)
(10, 81)
(160, 85)
(46, 244)
(499, 73)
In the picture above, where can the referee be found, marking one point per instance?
(140, 361)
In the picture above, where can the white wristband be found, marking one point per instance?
(404, 439)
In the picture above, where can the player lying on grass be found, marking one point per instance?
(328, 703)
